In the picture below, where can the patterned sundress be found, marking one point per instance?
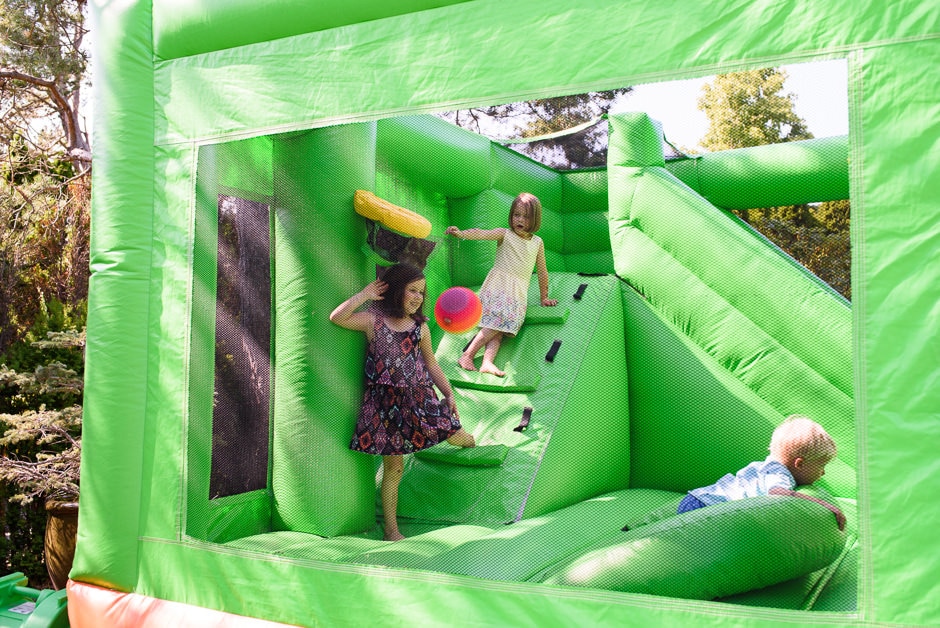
(401, 412)
(505, 290)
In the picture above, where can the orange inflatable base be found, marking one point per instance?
(91, 606)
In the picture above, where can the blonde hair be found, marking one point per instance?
(533, 210)
(800, 437)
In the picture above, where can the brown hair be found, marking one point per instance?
(533, 210)
(393, 302)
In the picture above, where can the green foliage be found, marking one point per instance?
(44, 193)
(816, 236)
(22, 532)
(834, 215)
(42, 454)
(17, 167)
(44, 163)
(43, 255)
(827, 254)
(41, 414)
(31, 350)
(796, 215)
(38, 35)
(42, 70)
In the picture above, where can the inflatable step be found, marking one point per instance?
(480, 456)
(538, 335)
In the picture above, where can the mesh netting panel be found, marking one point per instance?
(242, 349)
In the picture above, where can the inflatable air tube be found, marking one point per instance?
(396, 218)
(434, 154)
(767, 176)
(711, 552)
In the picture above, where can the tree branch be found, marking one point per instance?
(59, 102)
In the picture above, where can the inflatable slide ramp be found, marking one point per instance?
(552, 432)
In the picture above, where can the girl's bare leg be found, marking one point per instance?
(462, 438)
(478, 342)
(393, 467)
(489, 354)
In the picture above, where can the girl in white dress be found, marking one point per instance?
(506, 286)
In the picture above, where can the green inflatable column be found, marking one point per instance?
(118, 347)
(320, 486)
(636, 141)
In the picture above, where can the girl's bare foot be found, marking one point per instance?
(462, 438)
(393, 535)
(489, 367)
(466, 363)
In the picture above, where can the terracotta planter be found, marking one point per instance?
(61, 529)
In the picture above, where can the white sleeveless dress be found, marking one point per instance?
(506, 287)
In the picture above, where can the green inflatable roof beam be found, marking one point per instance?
(183, 27)
(792, 173)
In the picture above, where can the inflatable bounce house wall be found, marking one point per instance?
(231, 140)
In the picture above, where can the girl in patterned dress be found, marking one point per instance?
(506, 287)
(400, 413)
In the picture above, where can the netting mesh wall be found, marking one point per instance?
(241, 403)
(231, 366)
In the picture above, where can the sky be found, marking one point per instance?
(820, 92)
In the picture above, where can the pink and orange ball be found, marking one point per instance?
(457, 310)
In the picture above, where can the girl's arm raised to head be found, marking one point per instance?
(345, 314)
(476, 234)
(542, 270)
(434, 369)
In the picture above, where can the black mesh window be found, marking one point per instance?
(242, 349)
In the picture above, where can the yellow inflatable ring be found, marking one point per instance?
(396, 218)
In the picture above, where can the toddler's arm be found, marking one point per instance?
(840, 518)
(542, 271)
(476, 234)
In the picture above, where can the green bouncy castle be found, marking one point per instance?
(231, 139)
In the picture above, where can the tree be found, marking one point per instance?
(748, 109)
(534, 118)
(834, 215)
(42, 417)
(42, 69)
(45, 162)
